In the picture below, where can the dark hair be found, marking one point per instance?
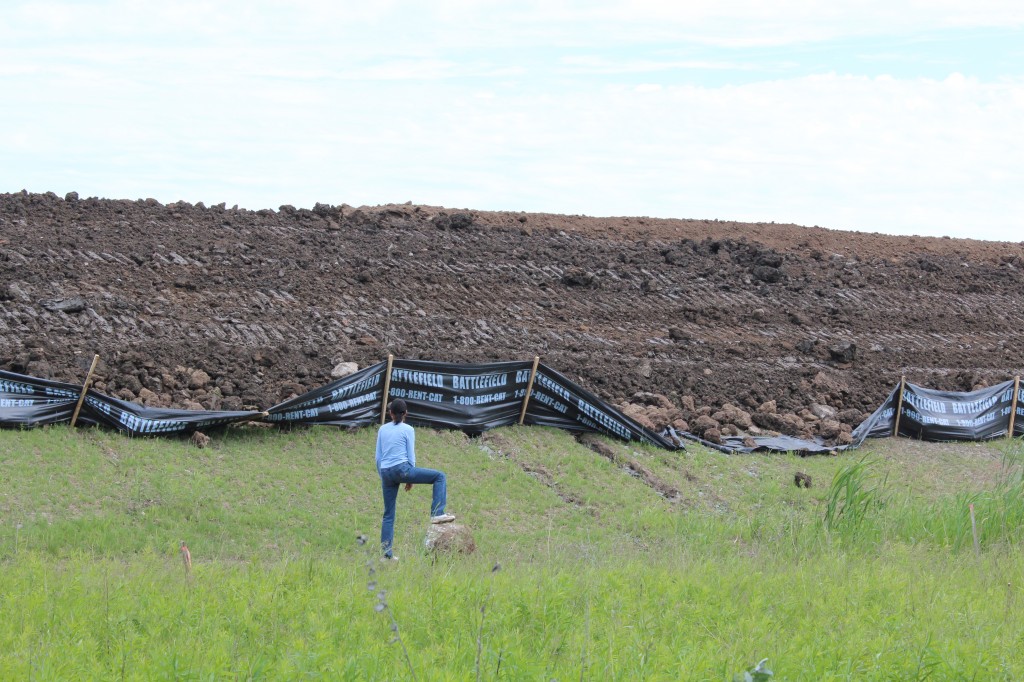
(398, 410)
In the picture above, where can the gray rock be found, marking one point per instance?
(75, 304)
(823, 411)
(844, 351)
(449, 538)
(344, 369)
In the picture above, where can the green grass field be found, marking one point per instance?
(634, 564)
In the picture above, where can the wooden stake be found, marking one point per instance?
(899, 407)
(1013, 405)
(85, 388)
(529, 388)
(387, 389)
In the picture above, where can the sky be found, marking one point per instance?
(898, 116)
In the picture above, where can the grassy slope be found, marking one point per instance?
(601, 572)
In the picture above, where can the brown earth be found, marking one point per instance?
(699, 322)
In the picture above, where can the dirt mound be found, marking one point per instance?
(222, 307)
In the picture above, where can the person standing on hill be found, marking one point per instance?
(396, 464)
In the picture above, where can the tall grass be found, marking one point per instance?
(945, 521)
(856, 492)
(602, 575)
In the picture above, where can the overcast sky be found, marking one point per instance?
(904, 117)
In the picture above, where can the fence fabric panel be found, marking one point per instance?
(351, 401)
(29, 401)
(944, 415)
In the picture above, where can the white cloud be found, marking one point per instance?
(465, 104)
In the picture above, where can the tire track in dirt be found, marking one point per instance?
(266, 302)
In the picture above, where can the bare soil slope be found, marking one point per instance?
(678, 318)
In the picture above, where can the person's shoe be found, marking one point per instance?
(389, 559)
(442, 518)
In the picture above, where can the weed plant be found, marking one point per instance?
(855, 494)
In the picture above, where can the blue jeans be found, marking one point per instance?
(390, 480)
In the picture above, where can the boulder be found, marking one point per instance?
(730, 414)
(198, 379)
(844, 352)
(461, 221)
(833, 386)
(851, 416)
(652, 400)
(823, 411)
(677, 334)
(231, 403)
(75, 304)
(449, 538)
(829, 429)
(789, 424)
(639, 414)
(344, 369)
(702, 424)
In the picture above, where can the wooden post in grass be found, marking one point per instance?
(387, 389)
(899, 407)
(85, 388)
(1013, 405)
(529, 389)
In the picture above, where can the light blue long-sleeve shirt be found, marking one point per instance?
(396, 444)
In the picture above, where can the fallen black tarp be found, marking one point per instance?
(137, 420)
(780, 443)
(556, 401)
(878, 425)
(28, 401)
